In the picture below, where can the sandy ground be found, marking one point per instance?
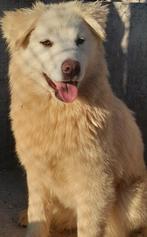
(12, 201)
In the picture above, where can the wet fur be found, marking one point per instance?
(86, 156)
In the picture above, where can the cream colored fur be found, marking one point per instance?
(84, 160)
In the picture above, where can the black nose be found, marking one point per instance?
(70, 68)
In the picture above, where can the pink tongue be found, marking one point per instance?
(66, 92)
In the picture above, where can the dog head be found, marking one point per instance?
(57, 43)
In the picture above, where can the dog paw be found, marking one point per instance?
(22, 218)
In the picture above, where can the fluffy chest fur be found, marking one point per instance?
(52, 129)
(58, 140)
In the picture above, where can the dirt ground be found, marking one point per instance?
(12, 201)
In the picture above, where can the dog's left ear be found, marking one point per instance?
(18, 25)
(95, 15)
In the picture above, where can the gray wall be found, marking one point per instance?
(127, 58)
(126, 52)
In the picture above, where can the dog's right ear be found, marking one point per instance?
(18, 25)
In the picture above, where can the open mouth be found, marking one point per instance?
(66, 91)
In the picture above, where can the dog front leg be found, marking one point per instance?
(39, 208)
(94, 205)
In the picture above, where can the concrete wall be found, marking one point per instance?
(127, 57)
(126, 52)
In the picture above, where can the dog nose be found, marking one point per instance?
(70, 68)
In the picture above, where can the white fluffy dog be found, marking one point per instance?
(79, 144)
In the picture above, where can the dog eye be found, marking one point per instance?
(80, 40)
(47, 43)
